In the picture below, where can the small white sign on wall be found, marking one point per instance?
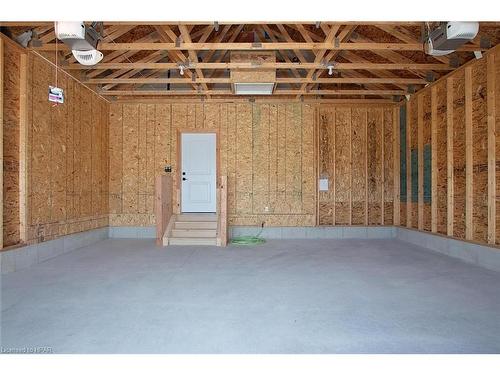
(323, 184)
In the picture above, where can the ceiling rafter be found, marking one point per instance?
(272, 35)
(378, 59)
(407, 37)
(362, 64)
(192, 54)
(325, 46)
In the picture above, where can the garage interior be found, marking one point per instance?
(364, 163)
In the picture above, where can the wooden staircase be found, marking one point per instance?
(192, 229)
(189, 228)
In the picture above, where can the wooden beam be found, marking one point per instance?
(353, 58)
(192, 54)
(382, 169)
(391, 56)
(329, 38)
(434, 166)
(350, 166)
(468, 155)
(257, 46)
(228, 92)
(250, 65)
(23, 148)
(408, 166)
(449, 158)
(115, 57)
(405, 36)
(397, 167)
(360, 80)
(1, 139)
(367, 206)
(420, 152)
(491, 102)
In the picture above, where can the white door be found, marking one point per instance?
(198, 172)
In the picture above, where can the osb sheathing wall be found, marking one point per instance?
(11, 116)
(266, 150)
(458, 116)
(67, 156)
(357, 156)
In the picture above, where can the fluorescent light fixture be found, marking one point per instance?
(253, 88)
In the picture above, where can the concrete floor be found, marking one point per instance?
(300, 296)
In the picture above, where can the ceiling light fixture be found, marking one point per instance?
(330, 70)
(181, 70)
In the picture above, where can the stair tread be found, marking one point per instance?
(192, 241)
(193, 233)
(200, 217)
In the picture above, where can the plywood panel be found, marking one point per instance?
(479, 152)
(459, 155)
(374, 155)
(67, 156)
(11, 146)
(342, 165)
(388, 167)
(440, 154)
(326, 151)
(266, 150)
(358, 139)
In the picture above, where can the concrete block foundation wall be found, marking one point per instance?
(477, 254)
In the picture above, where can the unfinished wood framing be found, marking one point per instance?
(397, 167)
(1, 137)
(67, 155)
(463, 119)
(491, 103)
(420, 158)
(409, 205)
(89, 163)
(449, 157)
(468, 154)
(266, 150)
(11, 144)
(353, 161)
(434, 168)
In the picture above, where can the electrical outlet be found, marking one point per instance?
(266, 209)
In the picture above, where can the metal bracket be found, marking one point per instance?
(337, 43)
(256, 45)
(411, 89)
(216, 26)
(454, 62)
(178, 42)
(318, 24)
(485, 42)
(314, 76)
(429, 77)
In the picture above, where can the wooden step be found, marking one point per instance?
(190, 233)
(197, 217)
(210, 241)
(195, 225)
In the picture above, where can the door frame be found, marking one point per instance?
(178, 175)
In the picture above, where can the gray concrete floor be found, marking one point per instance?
(300, 296)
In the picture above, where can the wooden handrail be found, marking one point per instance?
(163, 205)
(222, 213)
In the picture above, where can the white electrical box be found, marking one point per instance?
(323, 184)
